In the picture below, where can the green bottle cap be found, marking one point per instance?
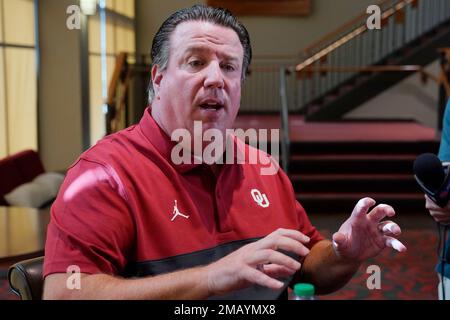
(304, 290)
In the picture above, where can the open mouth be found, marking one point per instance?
(211, 106)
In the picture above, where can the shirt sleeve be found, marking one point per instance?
(91, 226)
(444, 150)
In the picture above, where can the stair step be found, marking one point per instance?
(346, 88)
(364, 147)
(351, 157)
(330, 177)
(354, 183)
(357, 196)
(403, 203)
(362, 176)
(329, 98)
(352, 164)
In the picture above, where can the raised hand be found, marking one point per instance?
(364, 235)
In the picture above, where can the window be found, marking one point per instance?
(18, 77)
(110, 31)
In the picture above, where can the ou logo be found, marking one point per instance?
(260, 198)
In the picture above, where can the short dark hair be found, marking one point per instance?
(219, 16)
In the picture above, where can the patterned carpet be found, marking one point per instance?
(407, 276)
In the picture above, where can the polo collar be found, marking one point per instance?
(162, 142)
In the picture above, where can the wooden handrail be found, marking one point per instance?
(121, 60)
(349, 36)
(385, 68)
(118, 78)
(441, 79)
(445, 70)
(343, 28)
(122, 103)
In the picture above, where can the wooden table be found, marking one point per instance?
(22, 234)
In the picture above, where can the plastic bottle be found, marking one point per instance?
(303, 291)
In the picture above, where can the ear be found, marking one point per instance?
(156, 76)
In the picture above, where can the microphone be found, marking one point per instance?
(433, 178)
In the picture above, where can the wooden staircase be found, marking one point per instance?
(353, 63)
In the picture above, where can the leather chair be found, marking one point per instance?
(25, 278)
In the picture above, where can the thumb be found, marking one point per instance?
(340, 241)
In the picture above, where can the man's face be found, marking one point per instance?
(202, 81)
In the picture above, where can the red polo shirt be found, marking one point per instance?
(126, 209)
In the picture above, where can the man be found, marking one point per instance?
(442, 215)
(139, 226)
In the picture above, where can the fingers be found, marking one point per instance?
(380, 212)
(277, 271)
(270, 256)
(340, 241)
(440, 216)
(430, 205)
(363, 206)
(284, 243)
(257, 277)
(284, 239)
(389, 228)
(395, 244)
(293, 234)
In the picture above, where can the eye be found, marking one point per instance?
(228, 67)
(196, 63)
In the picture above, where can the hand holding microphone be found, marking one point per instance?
(434, 179)
(439, 214)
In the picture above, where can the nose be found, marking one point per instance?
(213, 76)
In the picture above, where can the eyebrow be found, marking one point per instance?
(202, 49)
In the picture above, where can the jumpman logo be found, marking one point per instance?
(177, 213)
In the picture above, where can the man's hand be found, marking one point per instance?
(441, 215)
(364, 235)
(258, 263)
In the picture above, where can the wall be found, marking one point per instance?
(60, 126)
(269, 35)
(409, 99)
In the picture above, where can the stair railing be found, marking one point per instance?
(118, 90)
(441, 79)
(354, 45)
(284, 116)
(444, 77)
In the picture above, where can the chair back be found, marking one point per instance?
(25, 278)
